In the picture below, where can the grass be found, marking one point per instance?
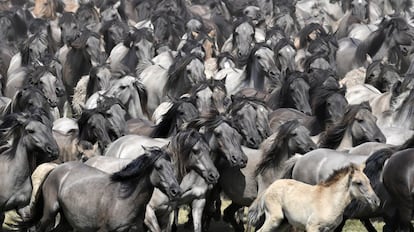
(350, 226)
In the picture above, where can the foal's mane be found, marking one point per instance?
(339, 174)
(273, 156)
(334, 135)
(137, 169)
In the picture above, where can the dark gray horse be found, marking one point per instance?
(118, 201)
(25, 142)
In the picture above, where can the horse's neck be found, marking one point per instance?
(141, 195)
(346, 142)
(339, 194)
(134, 107)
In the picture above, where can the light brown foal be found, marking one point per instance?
(312, 207)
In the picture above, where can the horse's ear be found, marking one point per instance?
(146, 149)
(117, 4)
(365, 104)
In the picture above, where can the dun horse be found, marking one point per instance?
(301, 203)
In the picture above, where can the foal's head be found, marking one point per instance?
(360, 187)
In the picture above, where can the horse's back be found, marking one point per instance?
(107, 164)
(317, 165)
(130, 146)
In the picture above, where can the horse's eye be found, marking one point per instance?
(360, 120)
(30, 131)
(122, 87)
(358, 183)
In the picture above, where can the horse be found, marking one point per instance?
(131, 188)
(294, 93)
(85, 52)
(99, 78)
(168, 28)
(185, 72)
(357, 126)
(88, 17)
(379, 44)
(397, 187)
(242, 41)
(210, 94)
(68, 27)
(194, 170)
(260, 72)
(263, 167)
(26, 143)
(249, 115)
(381, 76)
(47, 9)
(137, 48)
(303, 212)
(328, 107)
(130, 91)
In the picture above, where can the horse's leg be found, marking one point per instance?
(368, 225)
(63, 225)
(405, 214)
(229, 216)
(212, 202)
(274, 218)
(341, 225)
(151, 219)
(197, 212)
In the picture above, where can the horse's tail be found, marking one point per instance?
(32, 213)
(286, 172)
(256, 210)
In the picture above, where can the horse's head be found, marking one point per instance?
(162, 175)
(297, 136)
(285, 56)
(296, 89)
(115, 114)
(243, 37)
(360, 9)
(99, 79)
(265, 58)
(194, 153)
(45, 9)
(93, 127)
(363, 126)
(91, 45)
(336, 106)
(39, 137)
(360, 187)
(226, 140)
(68, 27)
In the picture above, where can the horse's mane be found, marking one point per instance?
(181, 146)
(319, 97)
(285, 92)
(24, 47)
(339, 174)
(370, 45)
(238, 102)
(83, 38)
(333, 136)
(138, 169)
(209, 121)
(307, 30)
(225, 55)
(281, 44)
(135, 35)
(36, 72)
(373, 169)
(93, 79)
(105, 103)
(406, 110)
(169, 120)
(273, 155)
(176, 71)
(27, 89)
(274, 31)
